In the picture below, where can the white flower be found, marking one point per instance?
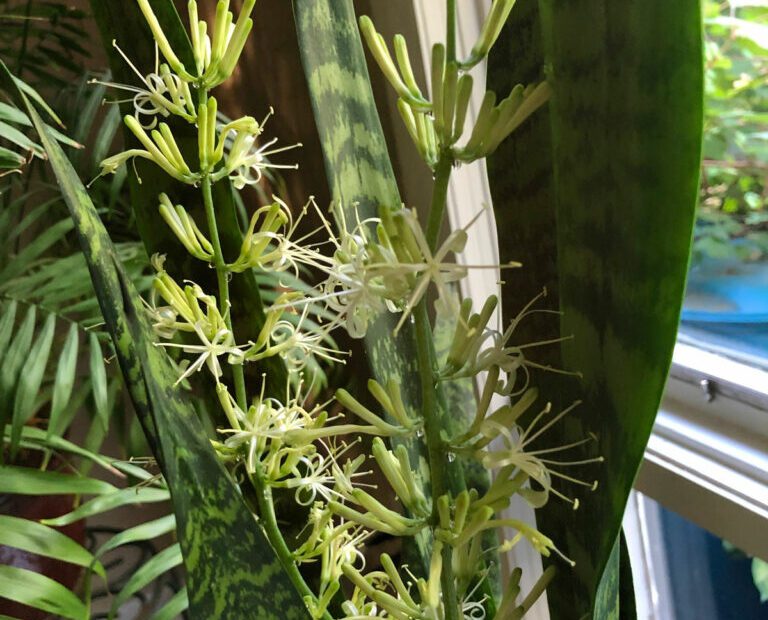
(353, 291)
(518, 461)
(246, 159)
(320, 474)
(295, 342)
(392, 272)
(164, 94)
(269, 243)
(209, 352)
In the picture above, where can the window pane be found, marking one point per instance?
(727, 301)
(690, 574)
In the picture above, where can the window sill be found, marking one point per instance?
(707, 458)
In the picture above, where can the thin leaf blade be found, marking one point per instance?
(28, 481)
(30, 380)
(99, 379)
(30, 588)
(42, 540)
(64, 380)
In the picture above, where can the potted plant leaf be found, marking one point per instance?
(269, 483)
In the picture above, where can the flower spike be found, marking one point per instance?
(494, 22)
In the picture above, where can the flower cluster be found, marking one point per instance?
(438, 125)
(288, 440)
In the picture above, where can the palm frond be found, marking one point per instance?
(101, 497)
(42, 42)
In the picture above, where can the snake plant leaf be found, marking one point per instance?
(124, 23)
(358, 168)
(606, 193)
(628, 608)
(42, 540)
(35, 590)
(247, 580)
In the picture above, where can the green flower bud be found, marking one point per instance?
(494, 22)
(162, 41)
(185, 229)
(381, 54)
(162, 149)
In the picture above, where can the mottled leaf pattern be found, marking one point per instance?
(246, 581)
(600, 204)
(357, 166)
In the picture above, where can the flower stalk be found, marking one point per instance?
(291, 441)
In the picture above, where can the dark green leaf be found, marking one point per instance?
(628, 605)
(247, 580)
(598, 204)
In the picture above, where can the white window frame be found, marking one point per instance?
(707, 458)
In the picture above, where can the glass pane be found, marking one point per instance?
(701, 576)
(726, 304)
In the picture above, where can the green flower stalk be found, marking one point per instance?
(291, 442)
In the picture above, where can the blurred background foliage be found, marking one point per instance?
(733, 215)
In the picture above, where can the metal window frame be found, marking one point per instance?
(707, 458)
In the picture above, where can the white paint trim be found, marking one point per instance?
(642, 526)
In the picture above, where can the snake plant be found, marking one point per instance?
(270, 473)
